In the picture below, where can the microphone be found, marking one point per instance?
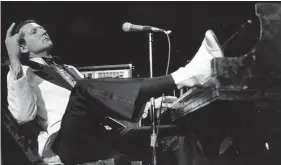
(128, 27)
(242, 26)
(246, 23)
(249, 21)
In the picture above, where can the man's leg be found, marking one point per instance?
(82, 138)
(119, 98)
(175, 147)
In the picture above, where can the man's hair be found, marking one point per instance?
(20, 25)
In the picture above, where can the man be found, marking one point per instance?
(70, 110)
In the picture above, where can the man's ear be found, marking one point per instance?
(23, 49)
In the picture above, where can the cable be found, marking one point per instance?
(166, 73)
(169, 53)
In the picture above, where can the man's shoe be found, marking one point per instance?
(198, 70)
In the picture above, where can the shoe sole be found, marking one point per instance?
(211, 34)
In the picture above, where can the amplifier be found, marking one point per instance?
(103, 71)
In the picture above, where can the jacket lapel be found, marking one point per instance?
(49, 74)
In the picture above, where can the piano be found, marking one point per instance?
(241, 100)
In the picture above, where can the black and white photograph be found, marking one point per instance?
(140, 83)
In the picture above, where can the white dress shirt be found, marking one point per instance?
(31, 96)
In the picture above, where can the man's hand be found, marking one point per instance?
(13, 49)
(166, 102)
(12, 43)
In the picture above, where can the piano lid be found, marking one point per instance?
(268, 48)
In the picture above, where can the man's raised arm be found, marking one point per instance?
(21, 99)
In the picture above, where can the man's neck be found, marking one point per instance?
(42, 54)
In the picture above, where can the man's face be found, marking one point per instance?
(36, 38)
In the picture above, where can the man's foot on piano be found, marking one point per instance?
(198, 70)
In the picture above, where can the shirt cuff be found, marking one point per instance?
(15, 74)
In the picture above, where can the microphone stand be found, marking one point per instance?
(233, 35)
(153, 136)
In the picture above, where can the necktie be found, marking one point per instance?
(61, 71)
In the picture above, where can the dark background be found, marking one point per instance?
(90, 33)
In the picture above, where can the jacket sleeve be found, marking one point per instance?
(21, 97)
